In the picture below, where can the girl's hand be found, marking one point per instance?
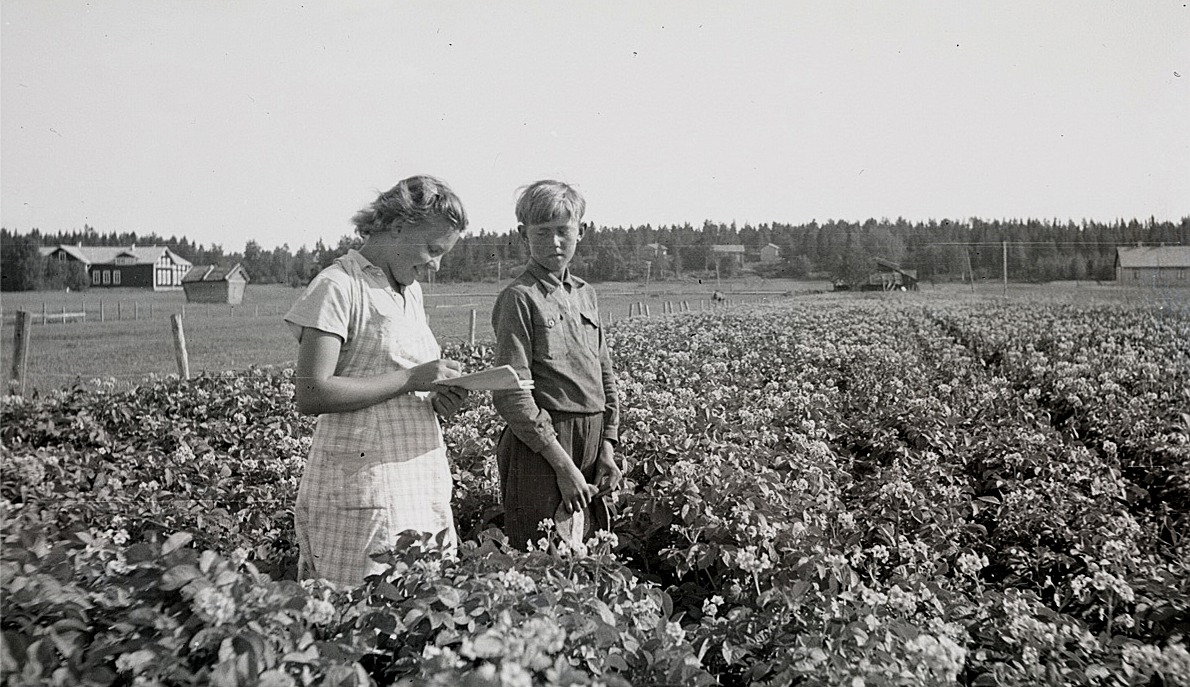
(448, 399)
(424, 376)
(607, 474)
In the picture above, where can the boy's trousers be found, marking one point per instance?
(529, 486)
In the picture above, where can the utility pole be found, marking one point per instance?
(1004, 252)
(970, 272)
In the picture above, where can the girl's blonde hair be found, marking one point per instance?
(548, 200)
(411, 201)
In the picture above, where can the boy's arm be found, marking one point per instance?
(512, 321)
(611, 393)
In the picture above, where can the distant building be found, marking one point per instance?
(734, 251)
(1153, 265)
(147, 267)
(770, 252)
(889, 276)
(212, 284)
(652, 251)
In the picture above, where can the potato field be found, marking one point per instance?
(833, 491)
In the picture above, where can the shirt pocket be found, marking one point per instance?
(550, 338)
(590, 330)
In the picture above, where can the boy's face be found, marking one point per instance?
(552, 243)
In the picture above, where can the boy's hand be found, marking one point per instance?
(576, 493)
(448, 399)
(607, 474)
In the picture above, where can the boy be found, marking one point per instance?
(559, 446)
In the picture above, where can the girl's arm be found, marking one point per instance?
(318, 390)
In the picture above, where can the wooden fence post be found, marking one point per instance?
(472, 336)
(135, 310)
(44, 314)
(101, 316)
(119, 310)
(20, 351)
(180, 347)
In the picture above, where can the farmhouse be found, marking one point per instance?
(733, 251)
(212, 284)
(149, 267)
(1153, 265)
(770, 252)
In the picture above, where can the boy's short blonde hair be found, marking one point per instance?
(412, 200)
(549, 200)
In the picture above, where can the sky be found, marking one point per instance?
(233, 120)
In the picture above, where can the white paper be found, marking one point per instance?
(494, 379)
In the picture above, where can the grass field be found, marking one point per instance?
(126, 334)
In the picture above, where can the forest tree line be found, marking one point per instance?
(946, 250)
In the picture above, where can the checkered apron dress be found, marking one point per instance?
(375, 472)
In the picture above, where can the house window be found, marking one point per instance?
(116, 277)
(95, 277)
(107, 277)
(125, 260)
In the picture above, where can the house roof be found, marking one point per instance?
(1153, 256)
(770, 245)
(211, 273)
(106, 255)
(912, 274)
(728, 248)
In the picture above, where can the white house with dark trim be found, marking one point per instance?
(147, 267)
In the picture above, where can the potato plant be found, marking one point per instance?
(856, 492)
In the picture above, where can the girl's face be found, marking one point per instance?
(409, 253)
(551, 244)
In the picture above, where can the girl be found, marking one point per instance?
(367, 366)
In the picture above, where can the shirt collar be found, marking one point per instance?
(549, 282)
(365, 265)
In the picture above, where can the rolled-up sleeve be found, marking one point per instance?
(512, 321)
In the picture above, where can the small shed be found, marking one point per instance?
(890, 276)
(770, 253)
(215, 284)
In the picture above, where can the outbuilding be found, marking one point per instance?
(214, 284)
(889, 276)
(1153, 265)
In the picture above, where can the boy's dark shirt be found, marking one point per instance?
(548, 329)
